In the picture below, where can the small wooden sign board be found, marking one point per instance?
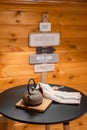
(44, 58)
(44, 39)
(44, 67)
(40, 108)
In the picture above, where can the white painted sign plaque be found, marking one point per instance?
(44, 58)
(43, 67)
(44, 39)
(45, 27)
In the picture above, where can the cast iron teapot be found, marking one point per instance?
(32, 96)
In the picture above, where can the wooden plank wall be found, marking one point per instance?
(18, 21)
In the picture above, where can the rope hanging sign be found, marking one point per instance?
(44, 40)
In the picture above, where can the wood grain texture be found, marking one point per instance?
(78, 124)
(18, 19)
(43, 1)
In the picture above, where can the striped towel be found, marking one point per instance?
(59, 96)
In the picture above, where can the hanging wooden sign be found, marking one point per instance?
(44, 58)
(45, 27)
(44, 39)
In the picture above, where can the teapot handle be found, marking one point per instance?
(28, 86)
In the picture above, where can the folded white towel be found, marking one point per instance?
(59, 96)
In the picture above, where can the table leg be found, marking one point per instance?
(10, 125)
(47, 127)
(66, 126)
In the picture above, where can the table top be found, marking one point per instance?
(55, 113)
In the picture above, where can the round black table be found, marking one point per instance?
(55, 113)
